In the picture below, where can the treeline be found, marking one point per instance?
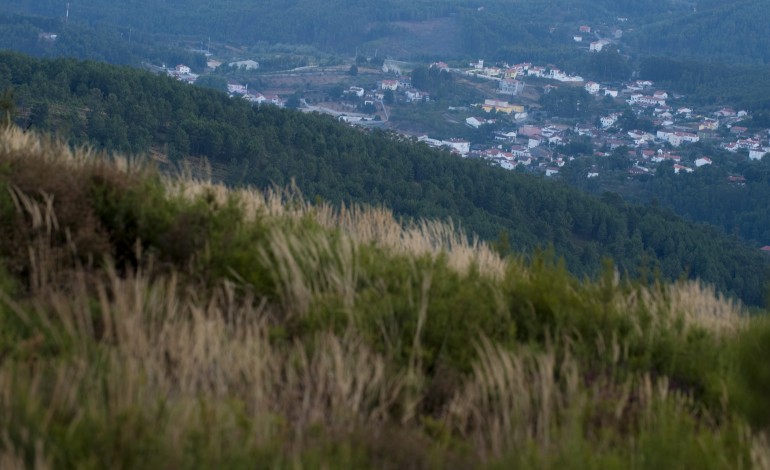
(714, 83)
(336, 24)
(129, 110)
(708, 196)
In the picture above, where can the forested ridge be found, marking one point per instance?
(536, 30)
(123, 109)
(730, 32)
(104, 43)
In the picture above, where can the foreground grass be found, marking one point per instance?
(169, 323)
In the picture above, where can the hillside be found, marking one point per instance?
(171, 323)
(406, 29)
(734, 32)
(127, 110)
(51, 37)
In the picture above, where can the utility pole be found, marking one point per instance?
(67, 15)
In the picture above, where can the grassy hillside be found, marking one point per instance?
(147, 322)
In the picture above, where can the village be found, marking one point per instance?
(508, 127)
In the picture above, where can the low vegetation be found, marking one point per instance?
(153, 322)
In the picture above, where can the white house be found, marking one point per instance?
(646, 100)
(415, 95)
(255, 97)
(592, 87)
(458, 145)
(236, 88)
(475, 122)
(577, 38)
(506, 136)
(550, 171)
(391, 85)
(507, 164)
(356, 90)
(757, 154)
(677, 138)
(597, 46)
(610, 92)
(274, 99)
(609, 121)
(702, 161)
(510, 87)
(182, 69)
(680, 168)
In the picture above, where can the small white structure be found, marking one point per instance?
(245, 64)
(609, 121)
(592, 87)
(597, 46)
(356, 90)
(235, 88)
(475, 122)
(391, 85)
(702, 161)
(510, 86)
(757, 154)
(677, 138)
(460, 146)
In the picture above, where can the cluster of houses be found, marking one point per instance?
(183, 73)
(536, 147)
(403, 88)
(235, 89)
(511, 72)
(599, 44)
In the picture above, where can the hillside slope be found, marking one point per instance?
(733, 32)
(171, 323)
(121, 109)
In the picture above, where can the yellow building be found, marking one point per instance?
(501, 106)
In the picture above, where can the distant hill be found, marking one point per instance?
(499, 29)
(405, 28)
(730, 32)
(53, 37)
(125, 109)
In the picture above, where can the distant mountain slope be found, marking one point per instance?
(341, 25)
(130, 110)
(52, 37)
(731, 32)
